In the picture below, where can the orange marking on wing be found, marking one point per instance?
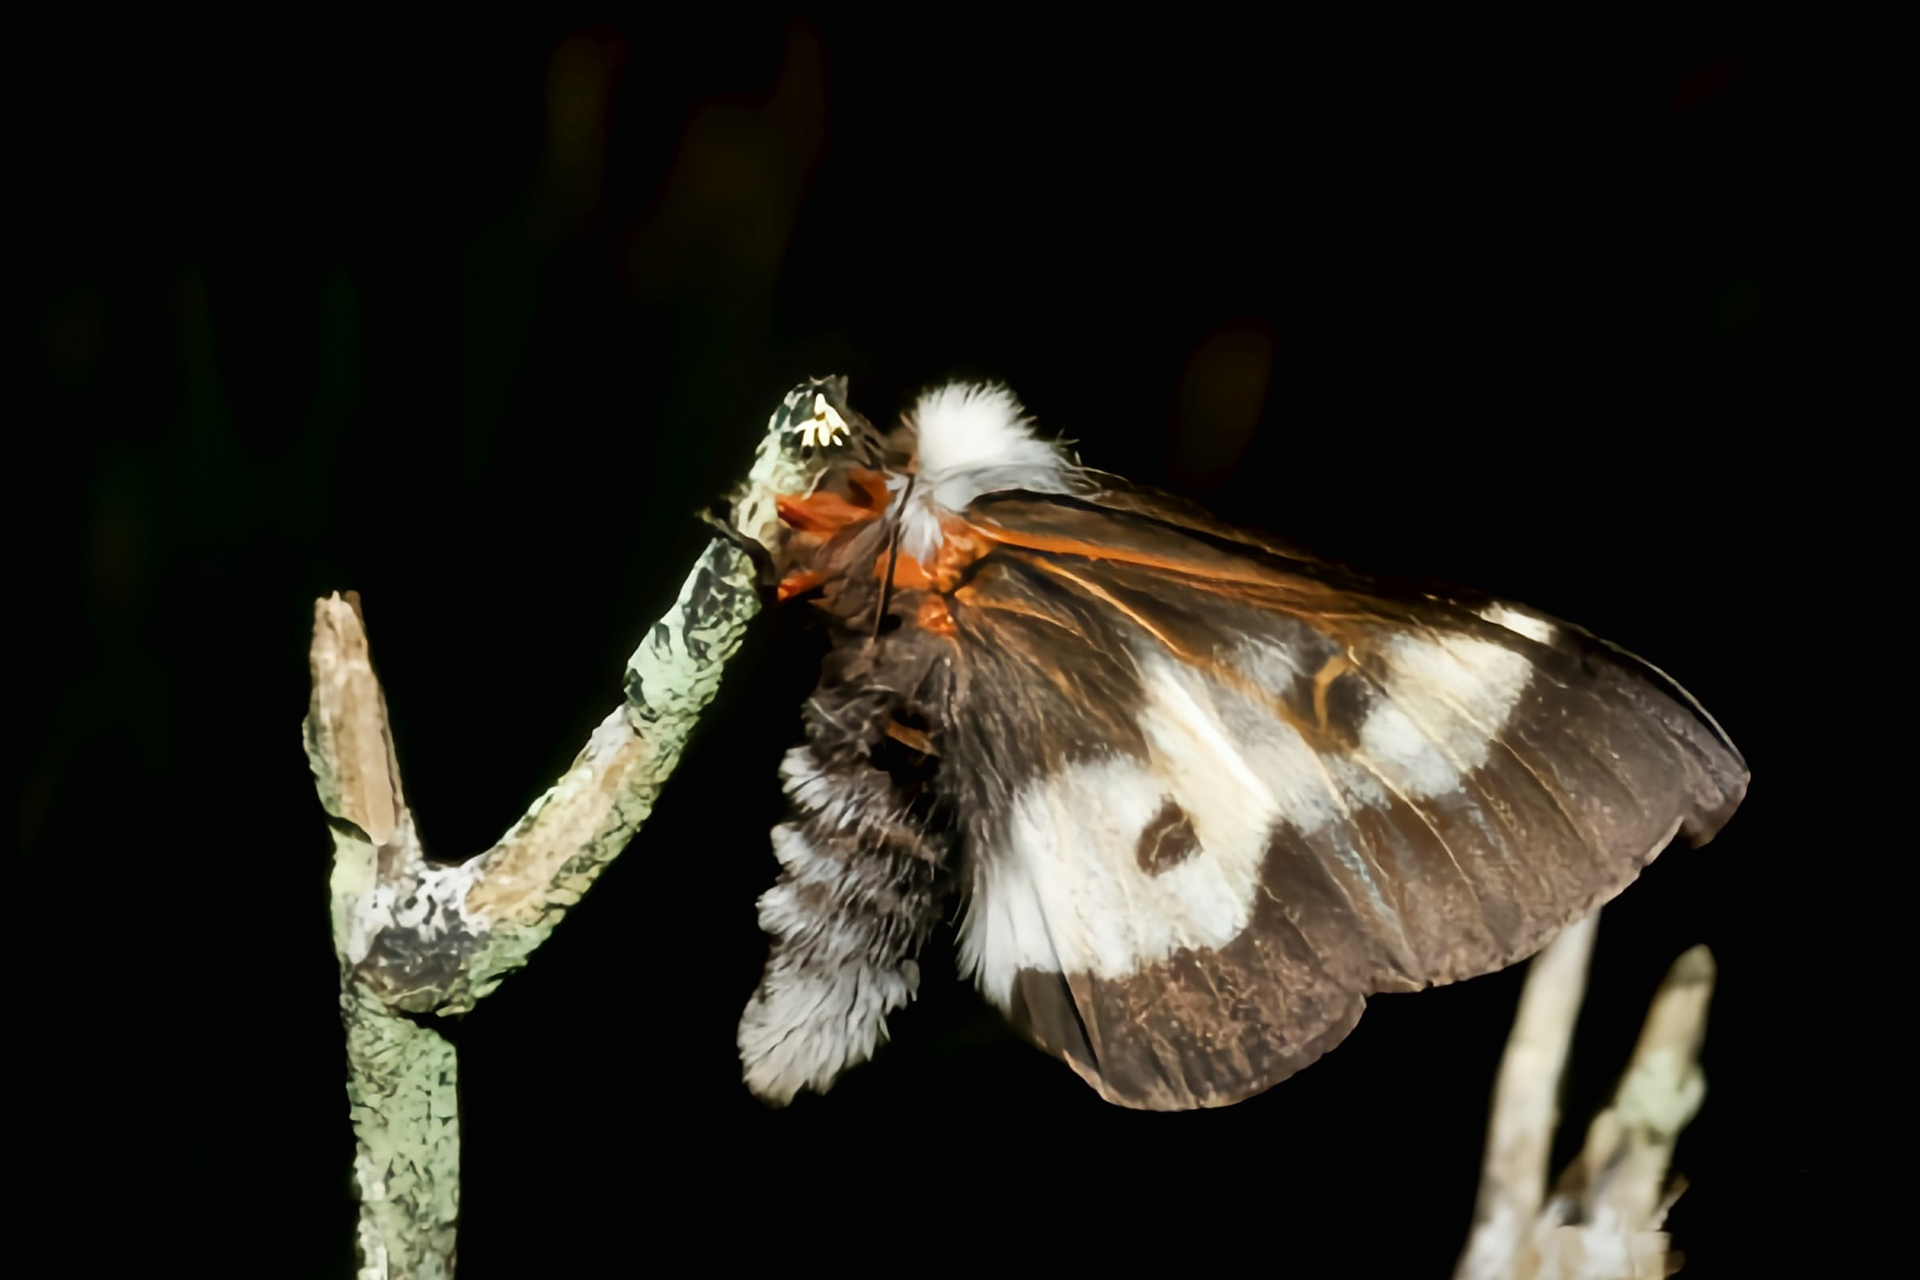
(933, 615)
(1100, 593)
(908, 736)
(973, 598)
(1214, 668)
(1258, 586)
(1220, 574)
(1338, 665)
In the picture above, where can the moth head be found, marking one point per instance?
(888, 508)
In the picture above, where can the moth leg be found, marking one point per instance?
(860, 888)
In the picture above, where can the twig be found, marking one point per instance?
(1513, 1178)
(1604, 1219)
(1606, 1214)
(417, 938)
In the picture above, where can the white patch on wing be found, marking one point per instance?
(1404, 755)
(1234, 754)
(1273, 666)
(972, 438)
(1533, 628)
(1066, 891)
(1445, 699)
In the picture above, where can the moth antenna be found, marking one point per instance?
(893, 558)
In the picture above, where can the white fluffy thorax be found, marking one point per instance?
(972, 438)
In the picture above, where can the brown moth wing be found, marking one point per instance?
(1221, 790)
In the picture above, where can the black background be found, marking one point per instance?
(472, 320)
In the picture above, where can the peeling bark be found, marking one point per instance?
(417, 938)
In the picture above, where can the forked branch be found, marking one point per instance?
(415, 937)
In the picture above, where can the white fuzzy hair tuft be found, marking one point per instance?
(974, 438)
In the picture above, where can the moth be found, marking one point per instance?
(1196, 793)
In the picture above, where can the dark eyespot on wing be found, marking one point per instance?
(1166, 841)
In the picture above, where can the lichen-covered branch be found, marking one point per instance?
(414, 937)
(1604, 1218)
(1606, 1215)
(1513, 1179)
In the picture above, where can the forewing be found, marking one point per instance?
(1219, 792)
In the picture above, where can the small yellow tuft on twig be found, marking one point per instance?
(825, 427)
